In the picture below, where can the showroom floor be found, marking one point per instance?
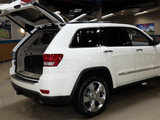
(132, 103)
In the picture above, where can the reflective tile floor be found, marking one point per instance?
(132, 103)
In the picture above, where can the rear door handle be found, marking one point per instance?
(139, 50)
(108, 51)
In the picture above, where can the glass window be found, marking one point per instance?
(138, 38)
(109, 36)
(86, 38)
(115, 37)
(46, 35)
(30, 16)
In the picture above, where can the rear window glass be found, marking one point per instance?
(46, 35)
(86, 38)
(31, 15)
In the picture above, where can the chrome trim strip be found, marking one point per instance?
(27, 78)
(140, 70)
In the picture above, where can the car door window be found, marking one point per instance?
(138, 38)
(115, 37)
(86, 38)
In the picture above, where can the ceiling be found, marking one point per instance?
(4, 1)
(121, 7)
(105, 4)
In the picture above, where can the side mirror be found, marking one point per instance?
(155, 42)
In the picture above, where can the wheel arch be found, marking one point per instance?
(90, 71)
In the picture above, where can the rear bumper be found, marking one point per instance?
(60, 100)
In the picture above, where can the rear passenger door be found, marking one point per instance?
(85, 49)
(118, 54)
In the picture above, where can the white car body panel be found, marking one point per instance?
(61, 80)
(156, 60)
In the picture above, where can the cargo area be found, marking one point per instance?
(29, 61)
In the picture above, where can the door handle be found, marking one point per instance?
(139, 50)
(108, 51)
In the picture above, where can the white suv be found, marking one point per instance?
(58, 62)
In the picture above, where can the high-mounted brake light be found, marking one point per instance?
(52, 60)
(26, 1)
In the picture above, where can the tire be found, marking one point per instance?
(92, 96)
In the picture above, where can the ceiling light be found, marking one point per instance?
(22, 31)
(26, 1)
(140, 13)
(108, 16)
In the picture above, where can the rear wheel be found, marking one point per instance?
(92, 97)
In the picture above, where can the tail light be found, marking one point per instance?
(52, 60)
(45, 91)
